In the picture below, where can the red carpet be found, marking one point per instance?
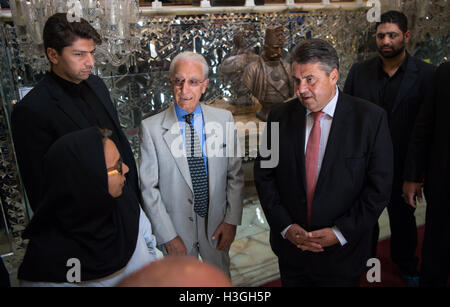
(389, 271)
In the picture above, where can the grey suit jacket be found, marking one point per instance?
(166, 183)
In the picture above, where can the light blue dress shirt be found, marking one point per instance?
(199, 125)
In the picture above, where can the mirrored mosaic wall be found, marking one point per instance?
(12, 206)
(140, 87)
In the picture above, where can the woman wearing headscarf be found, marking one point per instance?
(86, 229)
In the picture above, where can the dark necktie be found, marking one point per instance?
(196, 168)
(312, 161)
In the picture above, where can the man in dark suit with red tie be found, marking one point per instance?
(333, 177)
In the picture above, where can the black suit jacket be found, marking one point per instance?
(362, 81)
(45, 114)
(352, 189)
(429, 150)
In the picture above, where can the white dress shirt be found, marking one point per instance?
(325, 126)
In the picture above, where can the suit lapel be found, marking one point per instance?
(65, 103)
(337, 130)
(97, 88)
(297, 126)
(170, 124)
(409, 79)
(208, 117)
(373, 84)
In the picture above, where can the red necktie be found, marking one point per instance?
(312, 161)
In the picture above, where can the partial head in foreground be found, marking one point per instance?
(177, 271)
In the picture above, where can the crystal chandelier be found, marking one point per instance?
(114, 20)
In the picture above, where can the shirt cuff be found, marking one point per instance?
(339, 235)
(283, 233)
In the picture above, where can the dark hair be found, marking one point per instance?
(395, 17)
(60, 33)
(316, 50)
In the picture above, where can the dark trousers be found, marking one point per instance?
(403, 240)
(435, 268)
(292, 277)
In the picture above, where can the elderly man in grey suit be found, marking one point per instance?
(191, 176)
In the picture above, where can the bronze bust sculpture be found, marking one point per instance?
(232, 68)
(269, 78)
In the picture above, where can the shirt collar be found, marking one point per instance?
(330, 107)
(70, 88)
(402, 67)
(180, 112)
(405, 62)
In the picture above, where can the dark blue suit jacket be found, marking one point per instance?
(353, 186)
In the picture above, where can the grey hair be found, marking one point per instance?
(192, 56)
(316, 50)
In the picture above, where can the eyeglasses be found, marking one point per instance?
(191, 82)
(116, 169)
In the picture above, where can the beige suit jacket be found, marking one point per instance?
(166, 183)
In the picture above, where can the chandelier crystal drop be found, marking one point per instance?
(115, 20)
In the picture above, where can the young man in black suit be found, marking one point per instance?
(397, 82)
(68, 98)
(428, 163)
(333, 176)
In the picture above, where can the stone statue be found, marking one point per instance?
(269, 78)
(232, 68)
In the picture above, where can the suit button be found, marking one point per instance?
(190, 219)
(190, 201)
